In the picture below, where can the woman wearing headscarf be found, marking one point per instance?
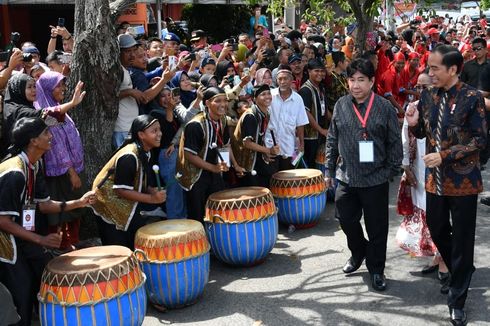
(125, 181)
(187, 91)
(23, 240)
(64, 162)
(263, 76)
(348, 48)
(19, 102)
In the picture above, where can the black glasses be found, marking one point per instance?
(420, 87)
(478, 48)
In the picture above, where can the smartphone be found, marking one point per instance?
(175, 92)
(61, 22)
(246, 71)
(191, 56)
(234, 46)
(172, 62)
(230, 80)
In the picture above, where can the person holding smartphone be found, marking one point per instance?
(60, 31)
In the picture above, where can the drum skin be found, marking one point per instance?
(174, 256)
(300, 196)
(242, 225)
(93, 286)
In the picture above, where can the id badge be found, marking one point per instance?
(322, 105)
(29, 217)
(225, 154)
(366, 151)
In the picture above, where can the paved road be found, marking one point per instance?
(301, 283)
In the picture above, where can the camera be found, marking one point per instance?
(191, 57)
(27, 57)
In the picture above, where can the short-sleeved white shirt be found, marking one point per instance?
(285, 116)
(128, 107)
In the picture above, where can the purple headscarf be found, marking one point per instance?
(44, 89)
(66, 146)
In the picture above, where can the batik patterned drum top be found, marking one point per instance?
(93, 286)
(300, 196)
(174, 255)
(241, 224)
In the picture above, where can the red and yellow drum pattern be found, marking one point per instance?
(300, 196)
(174, 255)
(241, 224)
(92, 286)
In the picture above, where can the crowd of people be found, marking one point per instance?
(198, 118)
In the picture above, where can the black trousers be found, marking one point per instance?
(109, 235)
(23, 279)
(350, 204)
(311, 147)
(284, 163)
(451, 221)
(196, 198)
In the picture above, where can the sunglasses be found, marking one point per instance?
(420, 87)
(477, 48)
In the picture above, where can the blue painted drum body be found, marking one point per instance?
(174, 255)
(93, 286)
(300, 196)
(241, 224)
(126, 310)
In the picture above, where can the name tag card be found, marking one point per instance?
(366, 151)
(225, 154)
(29, 217)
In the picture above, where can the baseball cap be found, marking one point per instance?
(433, 31)
(294, 58)
(171, 37)
(126, 41)
(197, 34)
(208, 61)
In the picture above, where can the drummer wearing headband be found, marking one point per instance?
(126, 181)
(204, 153)
(248, 142)
(22, 194)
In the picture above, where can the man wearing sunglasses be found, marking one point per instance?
(472, 69)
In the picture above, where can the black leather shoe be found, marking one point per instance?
(352, 265)
(485, 201)
(429, 269)
(442, 276)
(378, 282)
(458, 317)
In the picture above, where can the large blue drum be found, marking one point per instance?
(241, 224)
(300, 196)
(174, 255)
(93, 286)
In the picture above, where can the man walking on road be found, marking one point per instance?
(452, 117)
(363, 152)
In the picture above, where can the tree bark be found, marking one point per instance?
(361, 10)
(96, 63)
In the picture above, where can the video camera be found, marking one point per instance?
(14, 40)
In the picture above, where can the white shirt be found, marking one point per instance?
(128, 107)
(285, 116)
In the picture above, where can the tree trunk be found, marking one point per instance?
(361, 10)
(96, 63)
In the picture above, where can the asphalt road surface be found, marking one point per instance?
(301, 283)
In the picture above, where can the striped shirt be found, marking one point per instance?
(344, 134)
